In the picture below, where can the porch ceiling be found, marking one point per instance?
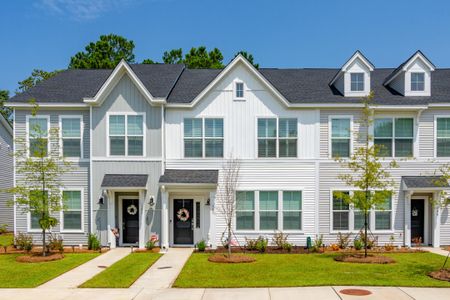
(125, 180)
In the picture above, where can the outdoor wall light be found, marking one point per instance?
(101, 200)
(152, 201)
(208, 202)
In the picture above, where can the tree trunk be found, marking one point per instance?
(43, 243)
(365, 233)
(229, 240)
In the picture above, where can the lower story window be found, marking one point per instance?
(34, 220)
(341, 211)
(245, 210)
(268, 210)
(383, 214)
(72, 215)
(292, 210)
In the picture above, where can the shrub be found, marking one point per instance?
(261, 244)
(250, 244)
(343, 240)
(93, 242)
(23, 241)
(335, 247)
(56, 243)
(201, 246)
(318, 242)
(390, 246)
(150, 244)
(279, 239)
(358, 244)
(371, 242)
(287, 247)
(3, 228)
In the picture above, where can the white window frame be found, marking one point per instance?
(28, 117)
(435, 137)
(411, 82)
(203, 138)
(363, 82)
(235, 90)
(255, 212)
(277, 210)
(80, 117)
(351, 216)
(277, 137)
(280, 211)
(61, 216)
(330, 134)
(144, 131)
(393, 138)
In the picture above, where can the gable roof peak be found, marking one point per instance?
(356, 55)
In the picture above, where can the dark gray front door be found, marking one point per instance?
(183, 213)
(417, 219)
(130, 221)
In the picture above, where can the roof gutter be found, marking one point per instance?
(46, 105)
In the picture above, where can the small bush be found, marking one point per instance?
(287, 247)
(261, 244)
(250, 244)
(390, 246)
(371, 242)
(335, 247)
(56, 243)
(317, 244)
(152, 242)
(3, 228)
(343, 240)
(201, 246)
(93, 242)
(358, 244)
(23, 241)
(279, 239)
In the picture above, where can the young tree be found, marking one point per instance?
(39, 167)
(227, 206)
(366, 172)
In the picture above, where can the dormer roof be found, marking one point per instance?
(404, 66)
(355, 56)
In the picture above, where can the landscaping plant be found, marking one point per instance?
(343, 240)
(201, 246)
(261, 244)
(365, 172)
(56, 243)
(23, 241)
(250, 244)
(151, 242)
(287, 246)
(3, 228)
(358, 244)
(93, 242)
(279, 239)
(317, 244)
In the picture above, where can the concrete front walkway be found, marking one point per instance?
(80, 274)
(438, 251)
(165, 270)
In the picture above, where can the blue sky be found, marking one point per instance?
(46, 33)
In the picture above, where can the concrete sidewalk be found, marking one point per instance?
(438, 251)
(304, 293)
(80, 274)
(165, 270)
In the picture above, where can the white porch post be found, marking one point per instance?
(142, 219)
(435, 219)
(164, 219)
(212, 220)
(110, 219)
(407, 205)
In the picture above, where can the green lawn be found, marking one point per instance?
(28, 275)
(123, 273)
(276, 270)
(6, 239)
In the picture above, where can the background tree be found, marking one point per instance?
(196, 58)
(174, 56)
(38, 186)
(227, 206)
(37, 75)
(249, 57)
(148, 61)
(5, 111)
(105, 53)
(366, 172)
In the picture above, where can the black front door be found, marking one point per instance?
(182, 224)
(130, 221)
(417, 219)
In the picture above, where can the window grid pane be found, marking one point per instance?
(357, 82)
(135, 125)
(239, 90)
(417, 81)
(245, 215)
(71, 127)
(117, 125)
(443, 137)
(292, 206)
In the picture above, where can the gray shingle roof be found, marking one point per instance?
(181, 85)
(189, 176)
(124, 180)
(425, 181)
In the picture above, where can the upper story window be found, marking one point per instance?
(357, 82)
(443, 137)
(238, 90)
(38, 136)
(394, 136)
(277, 137)
(126, 135)
(203, 137)
(417, 81)
(340, 136)
(71, 136)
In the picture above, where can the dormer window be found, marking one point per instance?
(417, 81)
(357, 82)
(239, 90)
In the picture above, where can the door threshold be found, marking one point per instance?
(183, 246)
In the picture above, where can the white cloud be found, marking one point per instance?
(81, 9)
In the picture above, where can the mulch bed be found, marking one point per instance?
(233, 259)
(269, 250)
(36, 258)
(360, 258)
(13, 250)
(443, 274)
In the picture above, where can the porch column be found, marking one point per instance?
(435, 219)
(212, 220)
(142, 219)
(407, 205)
(111, 220)
(164, 219)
